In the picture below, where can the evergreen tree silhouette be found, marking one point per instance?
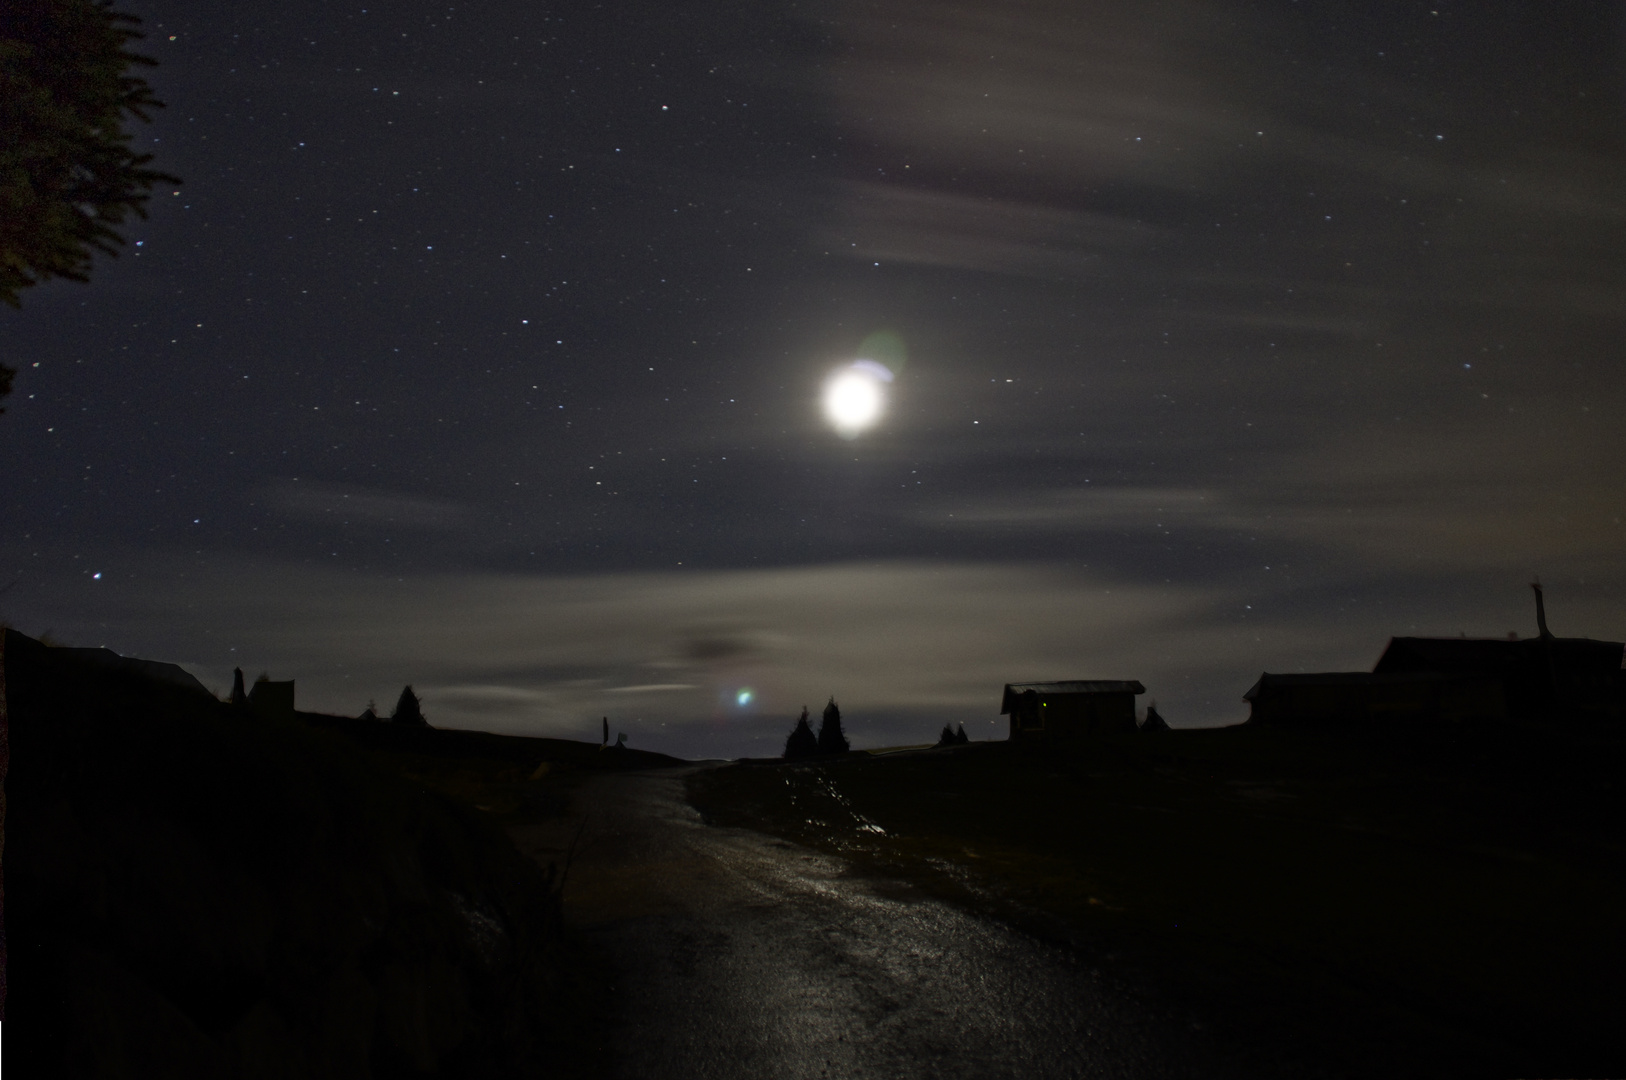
(960, 737)
(947, 738)
(69, 170)
(802, 742)
(407, 710)
(831, 740)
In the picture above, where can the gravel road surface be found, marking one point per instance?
(737, 955)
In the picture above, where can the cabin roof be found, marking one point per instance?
(1495, 655)
(1071, 686)
(1454, 654)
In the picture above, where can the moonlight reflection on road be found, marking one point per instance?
(855, 396)
(738, 956)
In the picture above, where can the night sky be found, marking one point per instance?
(482, 349)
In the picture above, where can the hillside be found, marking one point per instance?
(198, 891)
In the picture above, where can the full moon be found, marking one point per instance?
(853, 398)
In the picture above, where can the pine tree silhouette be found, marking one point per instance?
(960, 737)
(802, 742)
(831, 740)
(71, 168)
(407, 710)
(947, 738)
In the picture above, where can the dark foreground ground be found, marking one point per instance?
(194, 890)
(1438, 904)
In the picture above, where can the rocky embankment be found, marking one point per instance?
(195, 890)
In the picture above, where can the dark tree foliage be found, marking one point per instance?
(947, 738)
(831, 739)
(960, 736)
(802, 742)
(68, 175)
(407, 710)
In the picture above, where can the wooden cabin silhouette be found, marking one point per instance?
(1055, 713)
(1459, 680)
(272, 700)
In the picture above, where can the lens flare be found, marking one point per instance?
(855, 396)
(743, 698)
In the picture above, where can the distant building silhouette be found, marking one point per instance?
(272, 700)
(1459, 680)
(1055, 713)
(1345, 697)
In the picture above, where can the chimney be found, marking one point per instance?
(1541, 613)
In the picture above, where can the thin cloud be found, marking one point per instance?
(342, 504)
(1049, 90)
(934, 228)
(934, 641)
(651, 688)
(1074, 508)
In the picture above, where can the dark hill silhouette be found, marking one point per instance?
(207, 894)
(170, 674)
(458, 743)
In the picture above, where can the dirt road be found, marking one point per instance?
(737, 955)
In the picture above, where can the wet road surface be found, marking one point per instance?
(738, 955)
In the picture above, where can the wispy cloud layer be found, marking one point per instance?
(903, 646)
(343, 504)
(942, 229)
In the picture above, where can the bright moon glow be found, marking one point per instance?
(743, 698)
(853, 398)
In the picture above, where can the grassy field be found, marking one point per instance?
(1420, 902)
(510, 780)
